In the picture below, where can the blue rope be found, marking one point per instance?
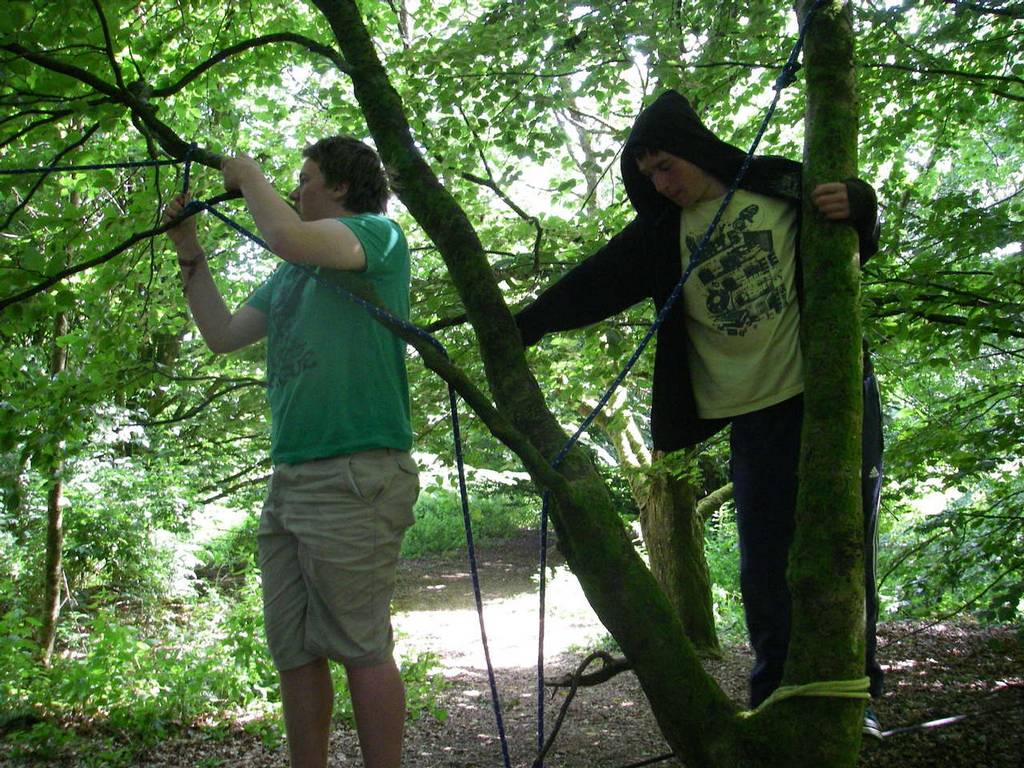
(471, 550)
(188, 165)
(787, 77)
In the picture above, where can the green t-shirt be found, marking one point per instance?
(336, 377)
(742, 314)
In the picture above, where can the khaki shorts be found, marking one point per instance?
(329, 539)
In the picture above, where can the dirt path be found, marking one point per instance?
(435, 609)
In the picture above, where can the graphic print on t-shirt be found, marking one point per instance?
(739, 273)
(291, 355)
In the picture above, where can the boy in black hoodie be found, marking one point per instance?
(729, 350)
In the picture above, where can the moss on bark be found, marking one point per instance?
(826, 559)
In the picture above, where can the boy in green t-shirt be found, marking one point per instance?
(344, 484)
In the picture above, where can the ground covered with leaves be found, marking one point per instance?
(955, 689)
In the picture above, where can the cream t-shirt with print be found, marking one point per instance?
(742, 315)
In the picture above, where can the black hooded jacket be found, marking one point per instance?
(644, 260)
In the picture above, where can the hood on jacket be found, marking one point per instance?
(671, 125)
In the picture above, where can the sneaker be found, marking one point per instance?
(872, 728)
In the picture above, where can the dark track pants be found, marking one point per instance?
(765, 452)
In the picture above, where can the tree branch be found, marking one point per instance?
(1013, 12)
(109, 44)
(27, 112)
(56, 65)
(201, 406)
(169, 141)
(447, 322)
(493, 186)
(714, 501)
(490, 73)
(32, 126)
(878, 65)
(609, 669)
(611, 666)
(962, 322)
(282, 37)
(1007, 95)
(1013, 79)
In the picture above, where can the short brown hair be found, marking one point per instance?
(345, 160)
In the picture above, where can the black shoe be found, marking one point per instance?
(872, 728)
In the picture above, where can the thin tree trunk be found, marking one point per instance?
(826, 570)
(54, 518)
(674, 534)
(672, 528)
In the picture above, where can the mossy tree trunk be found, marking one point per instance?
(674, 534)
(826, 559)
(826, 568)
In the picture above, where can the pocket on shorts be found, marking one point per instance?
(372, 474)
(391, 488)
(409, 481)
(407, 464)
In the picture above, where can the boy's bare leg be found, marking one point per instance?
(307, 696)
(378, 700)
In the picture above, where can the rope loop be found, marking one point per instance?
(188, 165)
(833, 689)
(787, 77)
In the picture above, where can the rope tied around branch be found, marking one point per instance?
(833, 689)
